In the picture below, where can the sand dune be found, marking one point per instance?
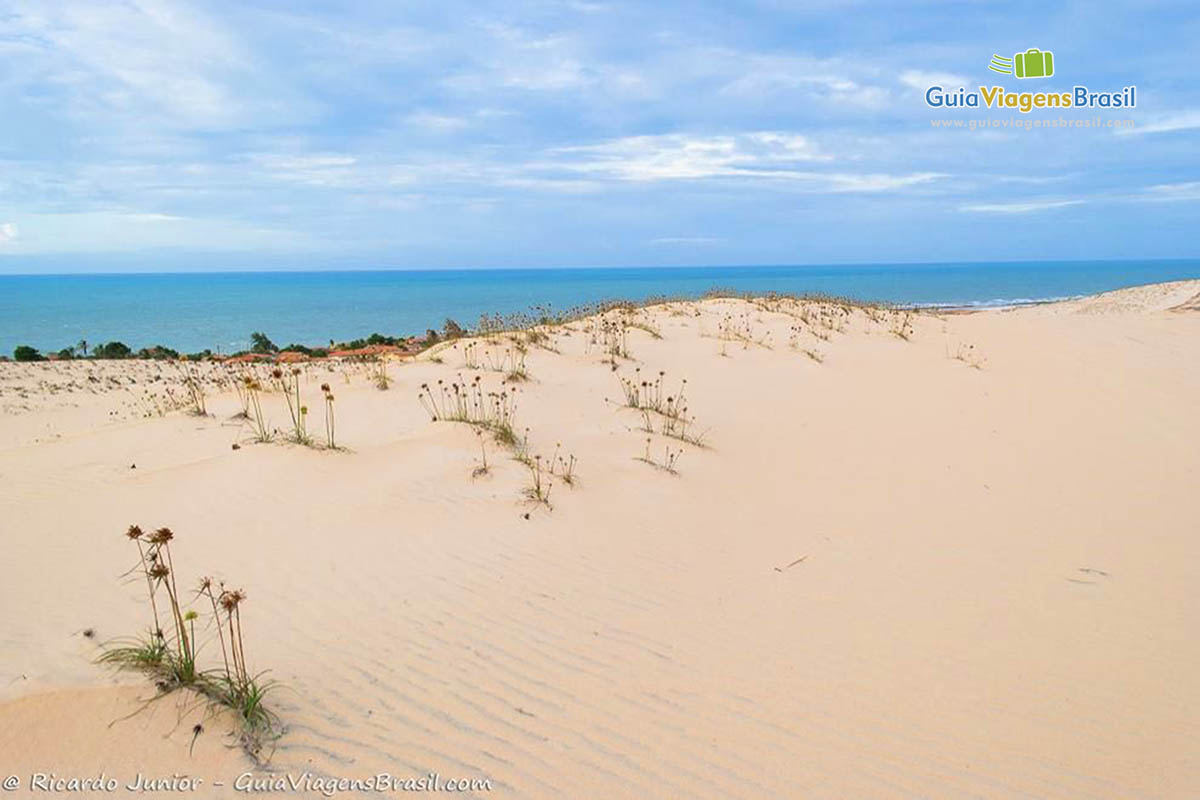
(957, 564)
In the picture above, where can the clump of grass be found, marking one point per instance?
(330, 427)
(539, 487)
(482, 469)
(794, 341)
(739, 328)
(968, 355)
(562, 465)
(467, 402)
(169, 658)
(240, 385)
(289, 384)
(901, 326)
(668, 461)
(652, 400)
(254, 404)
(194, 386)
(642, 393)
(644, 325)
(379, 374)
(611, 333)
(508, 359)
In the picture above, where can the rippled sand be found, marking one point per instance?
(958, 565)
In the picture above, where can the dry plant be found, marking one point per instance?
(378, 373)
(508, 359)
(467, 402)
(194, 385)
(652, 400)
(669, 458)
(254, 404)
(330, 427)
(740, 328)
(538, 490)
(482, 469)
(794, 342)
(289, 384)
(968, 355)
(563, 465)
(170, 657)
(243, 395)
(901, 325)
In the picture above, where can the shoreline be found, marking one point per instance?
(413, 344)
(192, 312)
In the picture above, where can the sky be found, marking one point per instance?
(151, 135)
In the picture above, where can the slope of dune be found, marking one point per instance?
(938, 556)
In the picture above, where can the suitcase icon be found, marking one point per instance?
(1034, 63)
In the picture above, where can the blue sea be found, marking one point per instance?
(191, 312)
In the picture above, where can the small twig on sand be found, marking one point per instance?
(794, 563)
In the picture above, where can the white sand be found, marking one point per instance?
(997, 596)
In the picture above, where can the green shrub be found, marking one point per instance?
(112, 350)
(259, 343)
(26, 353)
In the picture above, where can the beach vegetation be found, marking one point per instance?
(330, 427)
(24, 352)
(170, 656)
(311, 352)
(452, 330)
(261, 344)
(253, 408)
(112, 350)
(538, 490)
(289, 384)
(667, 462)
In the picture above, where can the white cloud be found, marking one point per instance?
(1189, 190)
(439, 123)
(129, 231)
(921, 80)
(1021, 207)
(878, 182)
(700, 240)
(681, 156)
(1182, 121)
(8, 232)
(153, 61)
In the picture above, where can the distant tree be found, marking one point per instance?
(314, 352)
(112, 350)
(26, 353)
(452, 330)
(431, 336)
(259, 343)
(82, 347)
(157, 351)
(67, 353)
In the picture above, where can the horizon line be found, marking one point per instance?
(595, 268)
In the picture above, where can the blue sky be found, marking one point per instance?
(164, 135)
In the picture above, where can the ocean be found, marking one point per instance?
(193, 311)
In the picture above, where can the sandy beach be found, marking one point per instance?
(873, 555)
